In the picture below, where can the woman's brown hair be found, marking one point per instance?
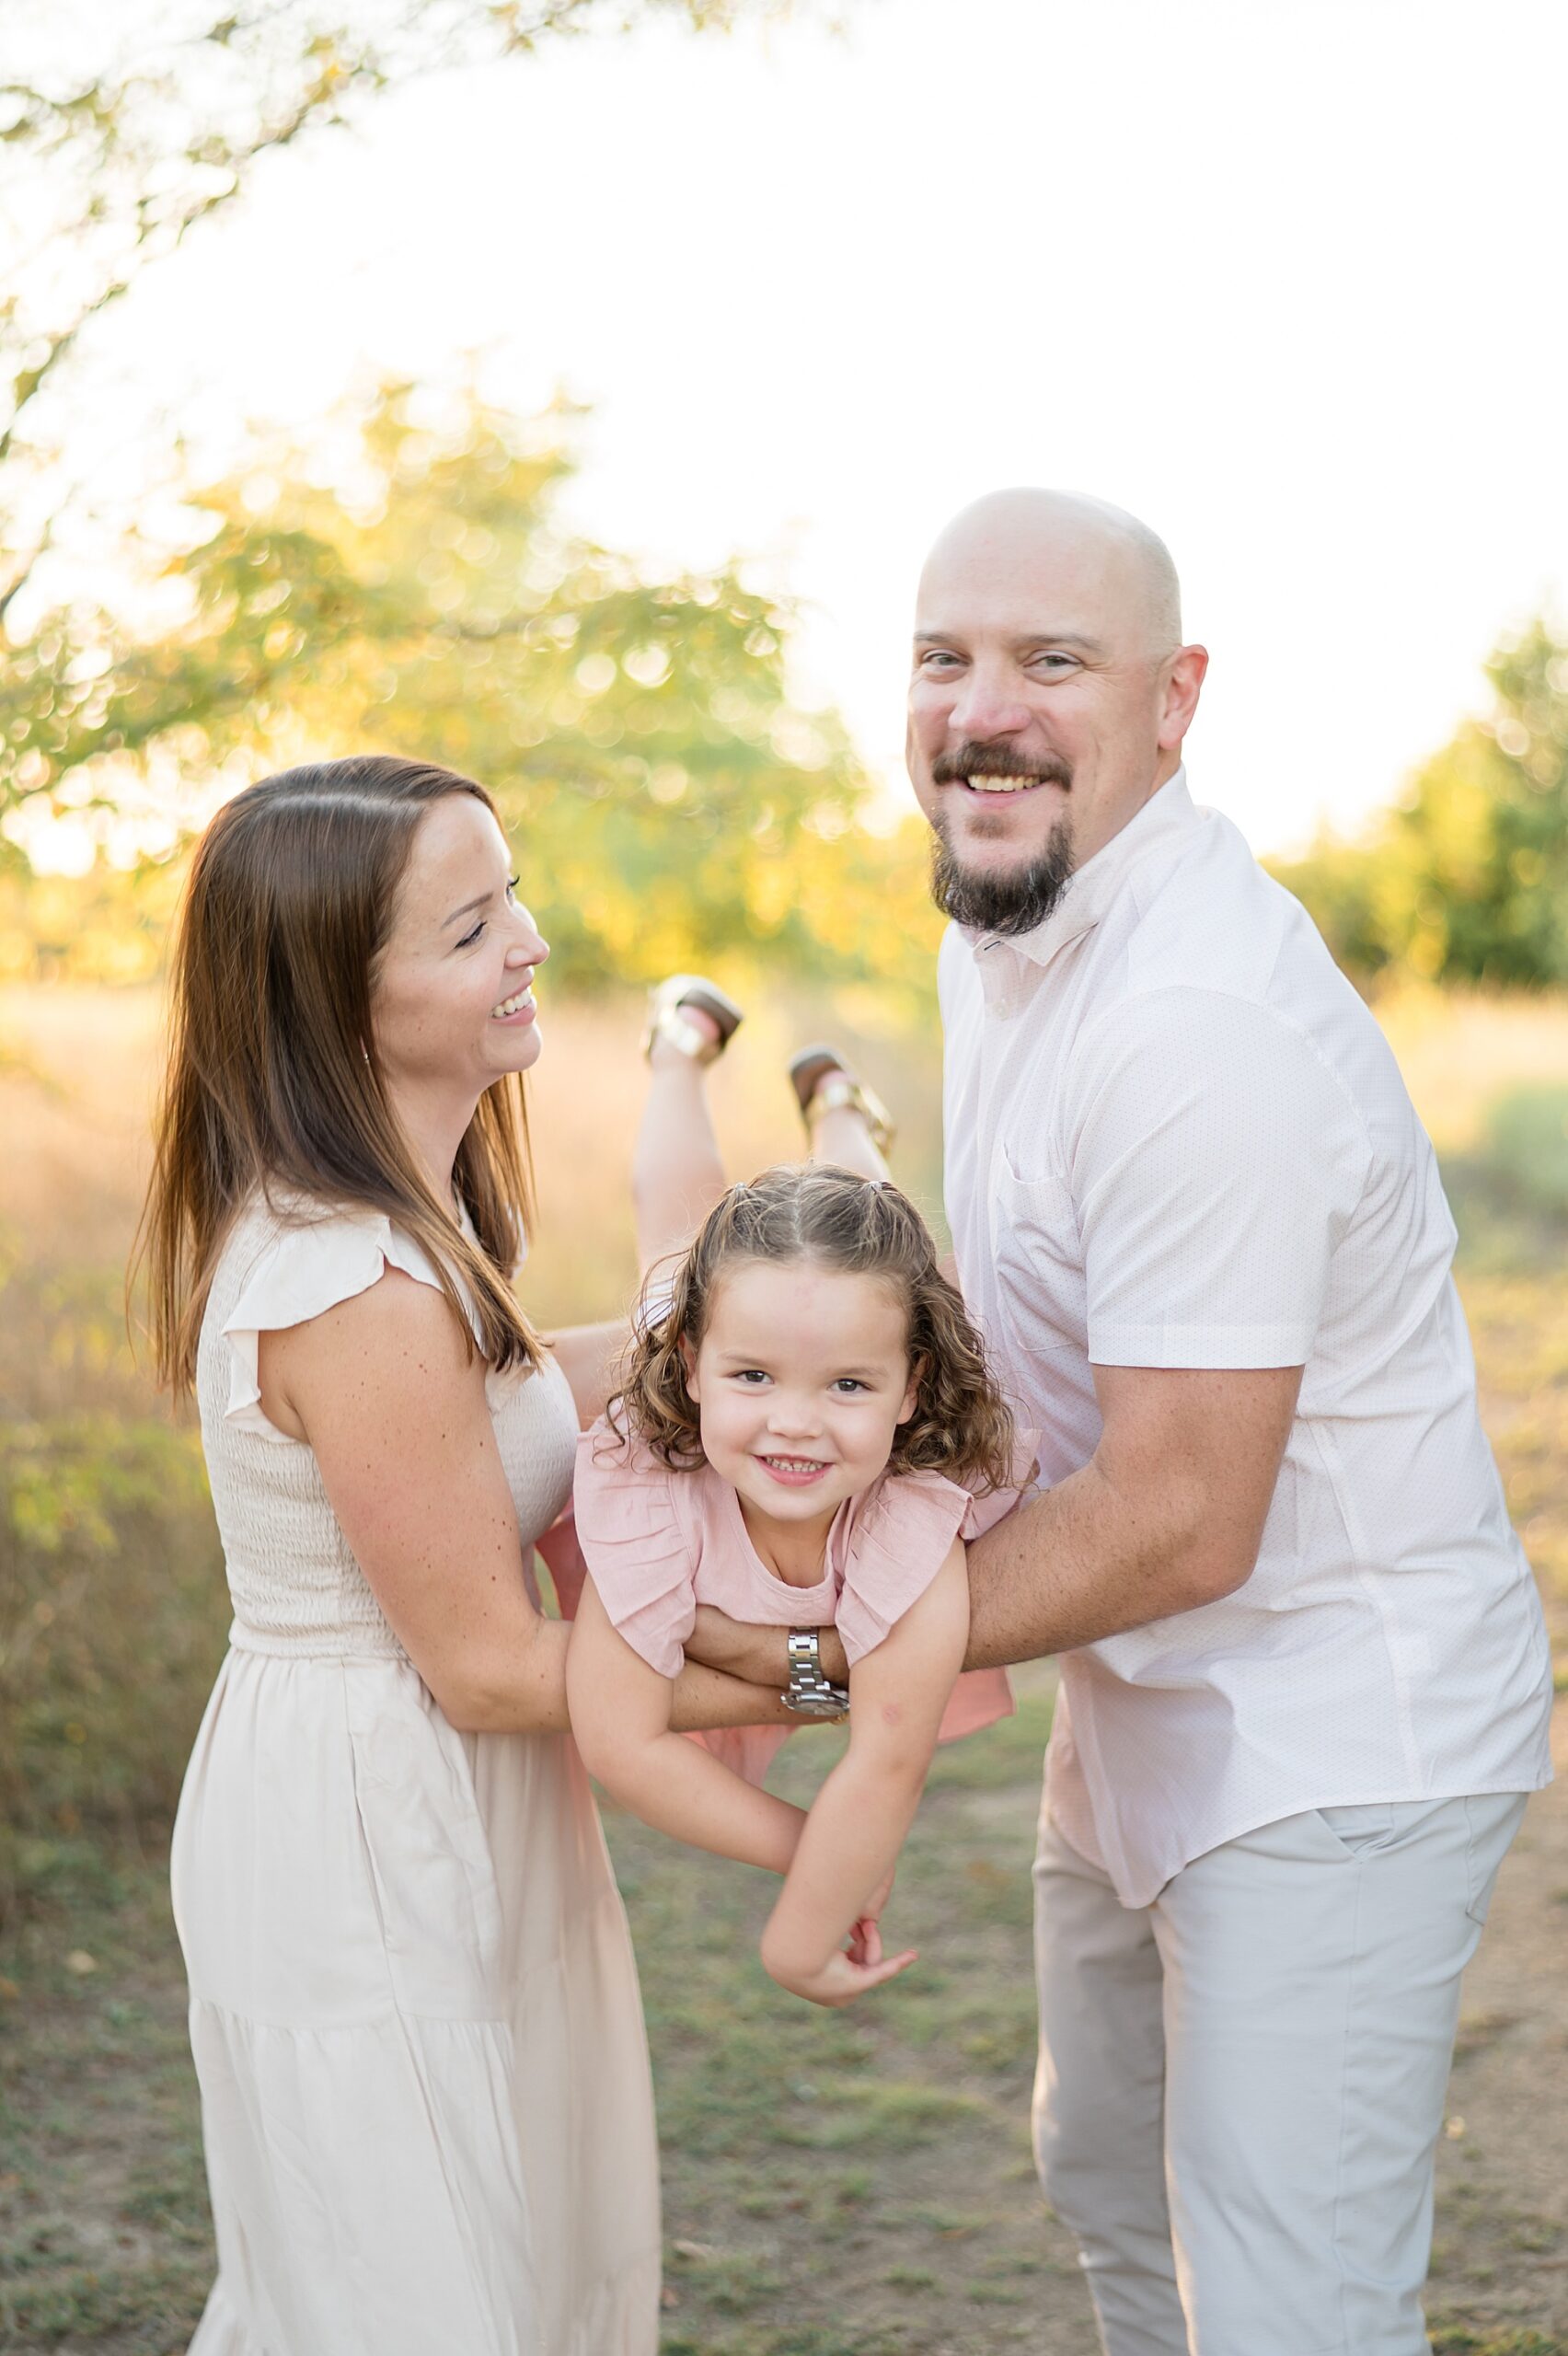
(272, 1080)
(815, 1212)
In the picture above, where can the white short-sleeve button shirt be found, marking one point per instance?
(1176, 1137)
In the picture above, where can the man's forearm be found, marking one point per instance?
(1075, 1563)
(1069, 1566)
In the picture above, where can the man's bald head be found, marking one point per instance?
(1048, 533)
(1049, 697)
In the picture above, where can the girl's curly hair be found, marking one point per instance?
(961, 1425)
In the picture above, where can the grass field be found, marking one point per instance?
(853, 2182)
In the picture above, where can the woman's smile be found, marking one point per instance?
(519, 1008)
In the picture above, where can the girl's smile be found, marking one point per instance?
(795, 1472)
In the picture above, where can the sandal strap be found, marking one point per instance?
(671, 1024)
(839, 1093)
(667, 1021)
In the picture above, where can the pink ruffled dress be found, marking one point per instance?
(658, 1542)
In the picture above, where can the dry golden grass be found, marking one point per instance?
(1460, 1050)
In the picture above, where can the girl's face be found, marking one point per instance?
(801, 1380)
(453, 1002)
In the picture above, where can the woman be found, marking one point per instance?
(414, 2010)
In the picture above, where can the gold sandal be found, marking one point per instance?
(666, 1022)
(824, 1082)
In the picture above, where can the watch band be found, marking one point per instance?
(810, 1692)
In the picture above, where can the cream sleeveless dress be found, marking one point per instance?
(414, 2010)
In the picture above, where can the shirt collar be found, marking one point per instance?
(1165, 817)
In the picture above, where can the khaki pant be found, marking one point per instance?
(1240, 2086)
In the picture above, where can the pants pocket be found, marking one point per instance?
(1361, 1830)
(1491, 1823)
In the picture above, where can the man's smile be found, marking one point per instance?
(988, 782)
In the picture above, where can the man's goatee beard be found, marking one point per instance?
(1008, 904)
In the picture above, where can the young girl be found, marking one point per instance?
(806, 1433)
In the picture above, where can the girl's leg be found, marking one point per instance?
(844, 1136)
(844, 1121)
(676, 1174)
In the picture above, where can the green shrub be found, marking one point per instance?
(112, 1601)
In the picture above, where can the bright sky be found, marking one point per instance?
(1284, 276)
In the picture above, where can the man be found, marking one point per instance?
(1306, 1682)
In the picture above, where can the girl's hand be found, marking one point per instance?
(865, 1932)
(843, 1976)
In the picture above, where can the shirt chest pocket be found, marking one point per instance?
(1037, 1260)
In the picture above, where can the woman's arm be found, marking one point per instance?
(589, 1357)
(383, 1391)
(860, 1817)
(620, 1715)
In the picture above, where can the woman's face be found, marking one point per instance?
(452, 1003)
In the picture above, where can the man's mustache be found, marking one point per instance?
(974, 760)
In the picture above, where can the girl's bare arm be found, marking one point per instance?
(621, 1717)
(858, 1820)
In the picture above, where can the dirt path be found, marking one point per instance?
(1500, 2256)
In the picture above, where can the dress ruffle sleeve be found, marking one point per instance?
(303, 1269)
(903, 1538)
(986, 1511)
(636, 1545)
(902, 1544)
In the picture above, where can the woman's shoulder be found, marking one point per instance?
(289, 1258)
(304, 1254)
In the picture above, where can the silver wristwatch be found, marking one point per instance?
(812, 1694)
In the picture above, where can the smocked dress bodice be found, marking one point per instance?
(293, 1577)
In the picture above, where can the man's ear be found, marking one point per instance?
(1182, 691)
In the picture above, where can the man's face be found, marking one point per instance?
(1046, 706)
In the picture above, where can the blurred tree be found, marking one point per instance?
(104, 172)
(1467, 879)
(668, 801)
